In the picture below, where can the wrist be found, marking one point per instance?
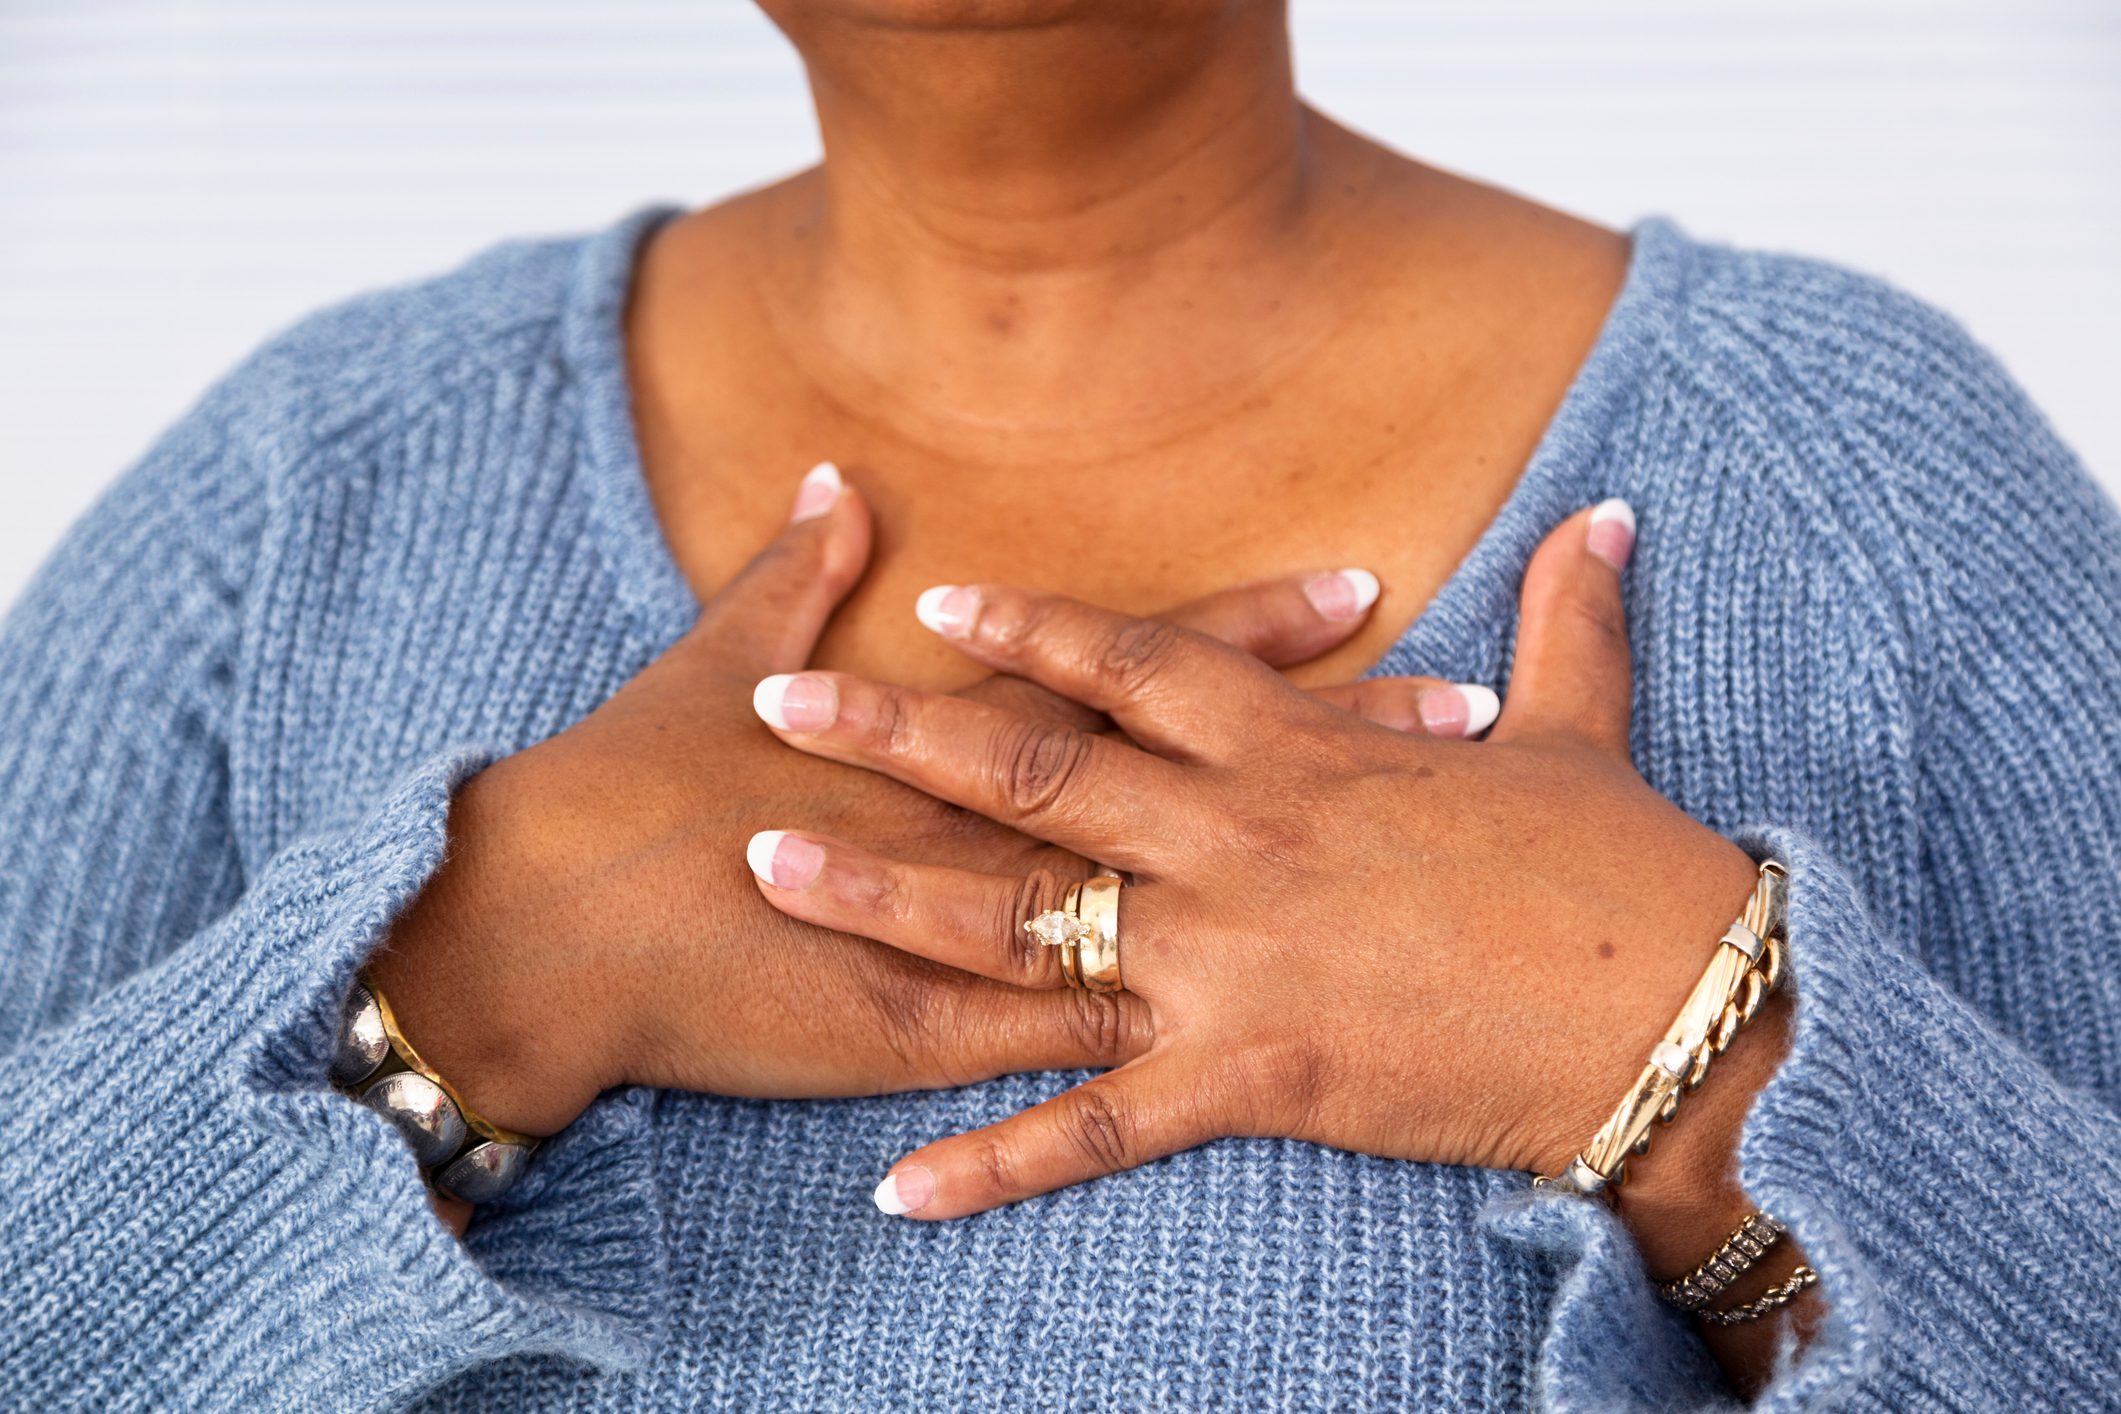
(1685, 1195)
(473, 989)
(1681, 906)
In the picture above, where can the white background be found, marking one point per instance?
(178, 180)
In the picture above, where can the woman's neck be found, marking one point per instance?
(1079, 224)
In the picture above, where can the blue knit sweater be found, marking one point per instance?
(1877, 620)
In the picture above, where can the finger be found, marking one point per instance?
(1028, 699)
(1098, 796)
(769, 617)
(909, 1024)
(1572, 675)
(1120, 1120)
(1426, 705)
(1177, 692)
(961, 918)
(986, 1030)
(1286, 621)
(1281, 622)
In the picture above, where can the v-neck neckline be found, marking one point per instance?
(1559, 477)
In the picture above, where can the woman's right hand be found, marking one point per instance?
(594, 924)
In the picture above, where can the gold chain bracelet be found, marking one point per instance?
(1745, 968)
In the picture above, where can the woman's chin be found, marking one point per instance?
(982, 14)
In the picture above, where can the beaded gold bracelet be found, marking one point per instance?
(1744, 969)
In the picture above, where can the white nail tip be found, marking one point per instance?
(1482, 707)
(766, 699)
(929, 607)
(809, 503)
(759, 853)
(824, 474)
(1365, 586)
(1614, 509)
(887, 1199)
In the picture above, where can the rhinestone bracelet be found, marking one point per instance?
(1743, 970)
(1725, 1265)
(462, 1154)
(1773, 1299)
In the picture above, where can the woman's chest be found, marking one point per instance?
(1328, 473)
(1143, 535)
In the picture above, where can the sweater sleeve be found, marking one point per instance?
(1943, 1138)
(189, 1217)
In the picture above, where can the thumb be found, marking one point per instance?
(1572, 675)
(767, 620)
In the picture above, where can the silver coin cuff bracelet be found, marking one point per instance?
(462, 1154)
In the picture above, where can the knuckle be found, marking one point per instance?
(1137, 650)
(889, 725)
(1099, 1128)
(995, 1162)
(1100, 1025)
(1038, 763)
(1035, 893)
(1010, 620)
(885, 896)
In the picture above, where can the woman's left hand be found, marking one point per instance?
(1388, 942)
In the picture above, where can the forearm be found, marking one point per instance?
(1946, 1187)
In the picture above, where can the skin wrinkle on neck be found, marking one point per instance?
(968, 279)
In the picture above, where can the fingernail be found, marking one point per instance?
(905, 1191)
(818, 494)
(1342, 595)
(948, 609)
(1458, 709)
(796, 702)
(1612, 535)
(783, 860)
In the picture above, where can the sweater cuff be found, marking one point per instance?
(1955, 1200)
(194, 1196)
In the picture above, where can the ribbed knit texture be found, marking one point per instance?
(1877, 623)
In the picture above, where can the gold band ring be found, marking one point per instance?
(1097, 956)
(1085, 928)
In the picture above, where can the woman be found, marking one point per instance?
(1095, 314)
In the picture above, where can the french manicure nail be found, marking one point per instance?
(1459, 709)
(948, 609)
(905, 1191)
(819, 493)
(796, 702)
(783, 860)
(1612, 532)
(1342, 595)
(1482, 705)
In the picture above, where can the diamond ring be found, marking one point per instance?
(1086, 930)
